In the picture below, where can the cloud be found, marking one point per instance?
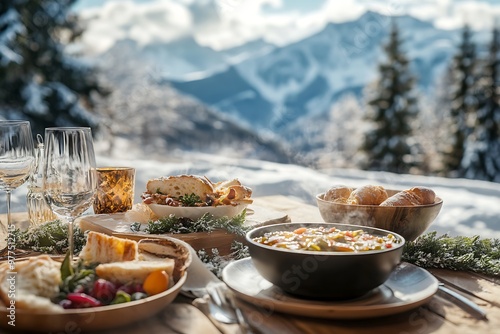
(225, 23)
(145, 23)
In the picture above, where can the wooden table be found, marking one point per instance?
(440, 315)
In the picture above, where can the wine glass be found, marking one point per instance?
(16, 158)
(69, 173)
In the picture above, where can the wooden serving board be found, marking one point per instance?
(118, 224)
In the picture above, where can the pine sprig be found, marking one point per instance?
(50, 237)
(455, 253)
(216, 262)
(207, 223)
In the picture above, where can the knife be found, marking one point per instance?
(465, 303)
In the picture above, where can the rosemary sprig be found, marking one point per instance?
(50, 237)
(207, 223)
(216, 262)
(455, 253)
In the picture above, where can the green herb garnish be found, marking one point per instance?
(216, 262)
(75, 276)
(50, 237)
(66, 268)
(207, 223)
(190, 200)
(455, 253)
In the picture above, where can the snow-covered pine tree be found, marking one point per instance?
(482, 155)
(39, 81)
(462, 102)
(389, 144)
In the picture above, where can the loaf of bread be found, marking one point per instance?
(133, 271)
(411, 197)
(103, 248)
(338, 194)
(36, 282)
(368, 195)
(181, 185)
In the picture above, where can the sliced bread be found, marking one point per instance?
(103, 248)
(181, 185)
(133, 271)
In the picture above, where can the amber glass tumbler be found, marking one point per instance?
(115, 189)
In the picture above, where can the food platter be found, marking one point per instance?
(90, 319)
(407, 288)
(118, 224)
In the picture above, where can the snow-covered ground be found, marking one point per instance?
(469, 208)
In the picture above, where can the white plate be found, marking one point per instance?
(195, 213)
(407, 288)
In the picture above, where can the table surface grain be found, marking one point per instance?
(440, 315)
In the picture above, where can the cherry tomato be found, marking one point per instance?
(156, 282)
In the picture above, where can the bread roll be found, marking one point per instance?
(181, 185)
(368, 195)
(338, 193)
(424, 195)
(411, 197)
(36, 282)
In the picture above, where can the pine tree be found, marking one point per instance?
(39, 81)
(482, 155)
(462, 102)
(389, 145)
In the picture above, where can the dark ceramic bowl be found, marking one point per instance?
(407, 221)
(321, 274)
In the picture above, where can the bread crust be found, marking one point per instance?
(181, 185)
(411, 197)
(338, 194)
(368, 195)
(164, 248)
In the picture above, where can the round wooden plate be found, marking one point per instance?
(90, 319)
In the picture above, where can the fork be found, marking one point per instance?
(202, 282)
(220, 305)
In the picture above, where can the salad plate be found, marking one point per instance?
(92, 318)
(407, 288)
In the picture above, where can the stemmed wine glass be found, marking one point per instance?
(16, 158)
(69, 173)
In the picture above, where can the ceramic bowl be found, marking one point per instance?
(195, 213)
(323, 274)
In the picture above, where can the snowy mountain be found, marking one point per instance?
(278, 85)
(145, 117)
